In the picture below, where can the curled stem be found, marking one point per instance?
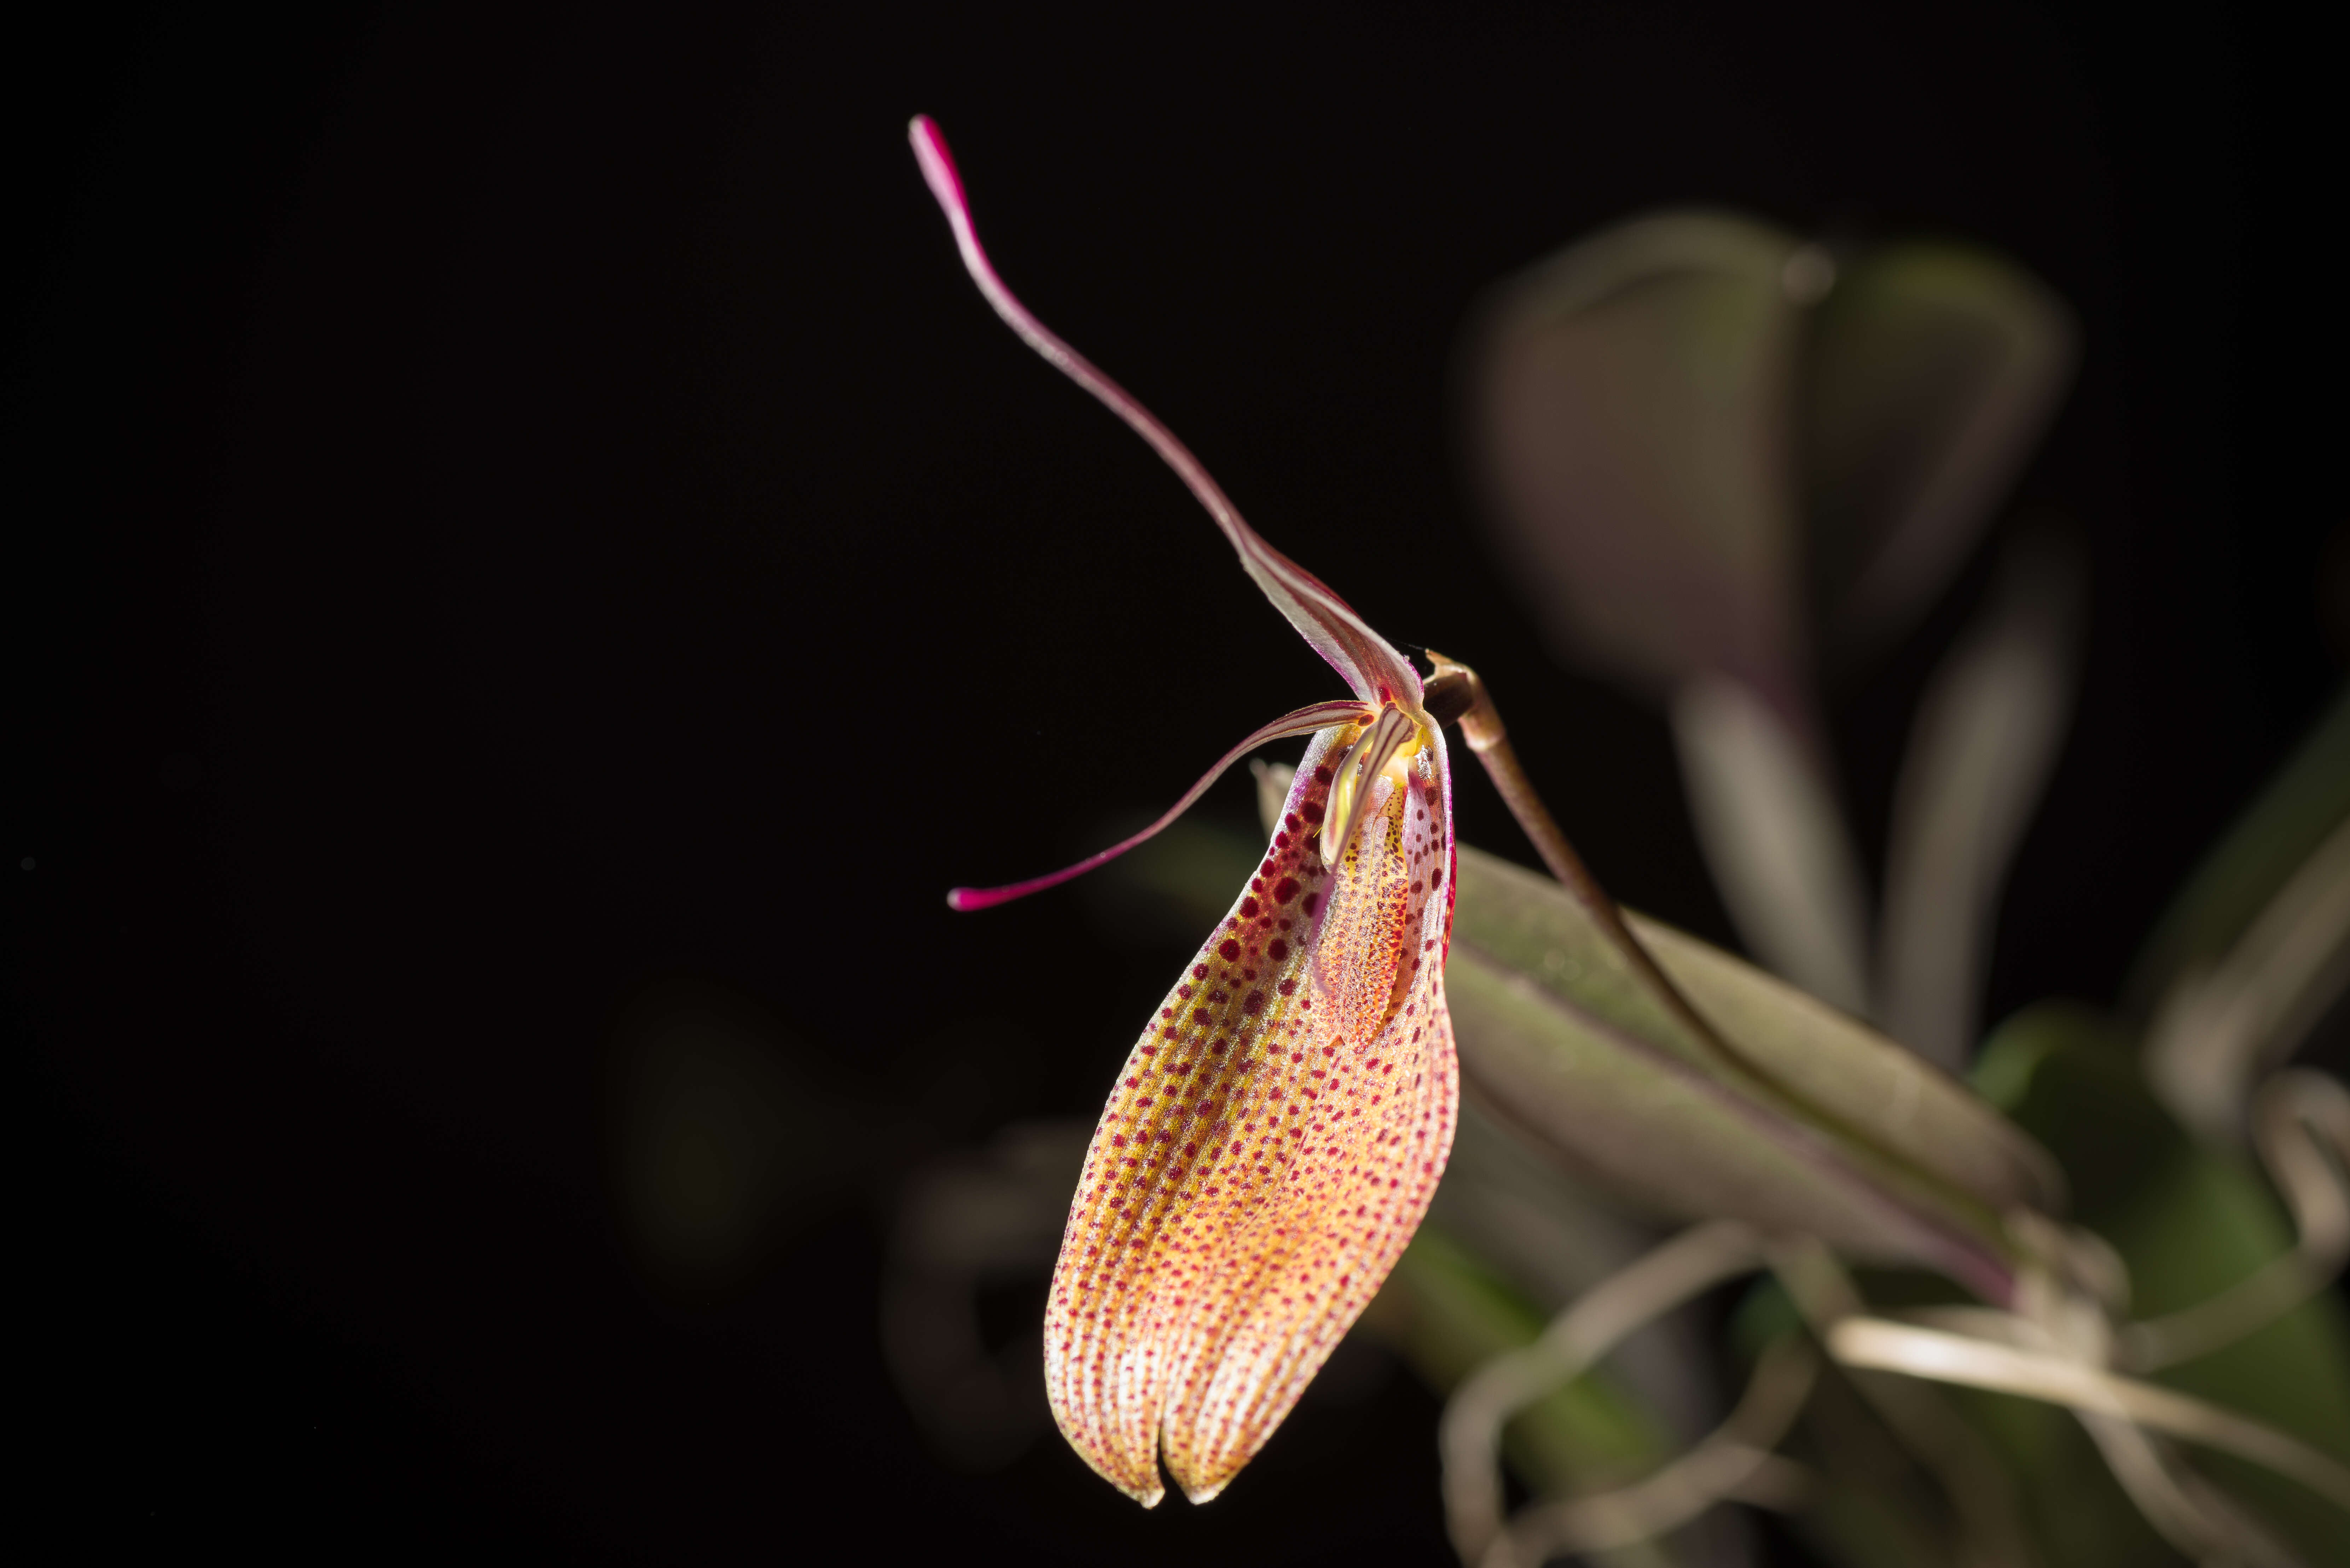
(1980, 1492)
(1470, 1435)
(1733, 1462)
(1869, 1342)
(2299, 1120)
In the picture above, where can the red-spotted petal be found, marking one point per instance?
(1371, 668)
(1271, 1145)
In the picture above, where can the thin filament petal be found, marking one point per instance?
(1303, 722)
(1370, 666)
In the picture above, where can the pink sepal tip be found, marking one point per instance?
(1370, 666)
(1303, 722)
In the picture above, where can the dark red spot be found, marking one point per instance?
(1198, 971)
(1285, 925)
(1150, 1050)
(1118, 1140)
(1248, 909)
(1230, 952)
(1312, 810)
(1436, 878)
(1288, 988)
(1291, 820)
(1313, 902)
(1166, 1013)
(1284, 890)
(1277, 950)
(1280, 841)
(1219, 997)
(1200, 1015)
(1253, 1002)
(1218, 1048)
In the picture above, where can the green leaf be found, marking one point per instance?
(2306, 800)
(1630, 400)
(2190, 1221)
(1985, 739)
(1694, 426)
(1928, 373)
(1812, 1123)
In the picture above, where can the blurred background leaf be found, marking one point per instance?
(1629, 400)
(2269, 842)
(1929, 372)
(1714, 452)
(1981, 747)
(2189, 1220)
(1556, 1030)
(2255, 951)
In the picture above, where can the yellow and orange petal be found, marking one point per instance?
(1270, 1147)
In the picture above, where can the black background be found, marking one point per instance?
(511, 507)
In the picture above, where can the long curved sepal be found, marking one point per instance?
(1272, 1144)
(1370, 666)
(1303, 722)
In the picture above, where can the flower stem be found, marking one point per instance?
(1457, 692)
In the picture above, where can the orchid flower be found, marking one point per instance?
(1275, 1135)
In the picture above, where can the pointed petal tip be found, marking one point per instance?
(937, 163)
(1369, 665)
(1206, 1493)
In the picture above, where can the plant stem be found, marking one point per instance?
(1456, 691)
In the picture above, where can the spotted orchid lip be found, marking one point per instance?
(1270, 1146)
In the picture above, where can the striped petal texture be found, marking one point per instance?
(1271, 1144)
